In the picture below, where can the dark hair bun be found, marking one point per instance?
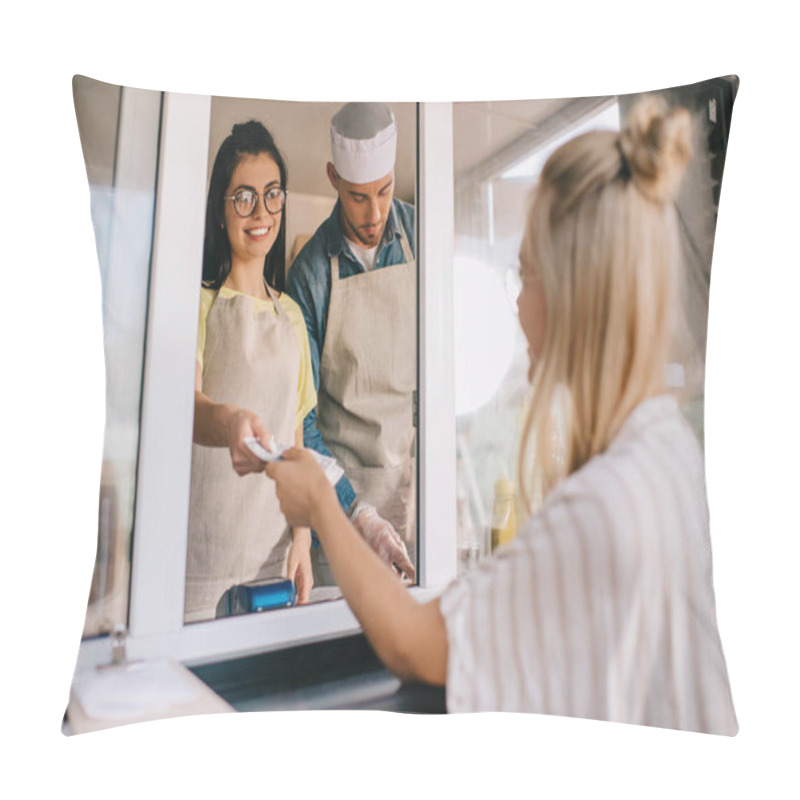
(657, 144)
(252, 126)
(251, 136)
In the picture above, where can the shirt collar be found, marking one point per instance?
(648, 412)
(335, 243)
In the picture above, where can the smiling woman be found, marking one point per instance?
(253, 379)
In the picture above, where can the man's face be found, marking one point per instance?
(365, 207)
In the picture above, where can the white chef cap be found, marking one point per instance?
(363, 141)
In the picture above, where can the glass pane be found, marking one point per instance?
(499, 149)
(119, 131)
(354, 346)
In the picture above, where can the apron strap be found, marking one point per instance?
(407, 254)
(278, 307)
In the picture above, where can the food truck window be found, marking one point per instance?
(239, 545)
(184, 132)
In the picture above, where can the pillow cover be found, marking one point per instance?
(131, 148)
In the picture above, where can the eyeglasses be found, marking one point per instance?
(245, 201)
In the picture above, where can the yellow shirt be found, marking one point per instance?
(306, 394)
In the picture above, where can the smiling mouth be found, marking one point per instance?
(258, 232)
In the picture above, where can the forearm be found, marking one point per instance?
(211, 421)
(301, 537)
(225, 425)
(312, 439)
(409, 638)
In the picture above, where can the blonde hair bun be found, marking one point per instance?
(657, 145)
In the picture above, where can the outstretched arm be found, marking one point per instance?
(410, 638)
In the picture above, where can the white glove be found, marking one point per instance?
(381, 536)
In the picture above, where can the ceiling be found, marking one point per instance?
(490, 136)
(482, 130)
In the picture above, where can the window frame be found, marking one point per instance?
(155, 623)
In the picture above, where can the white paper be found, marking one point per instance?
(333, 472)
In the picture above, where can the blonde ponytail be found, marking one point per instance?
(601, 235)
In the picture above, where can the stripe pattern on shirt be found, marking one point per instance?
(603, 606)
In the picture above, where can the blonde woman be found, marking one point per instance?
(602, 607)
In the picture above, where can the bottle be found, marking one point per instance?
(504, 517)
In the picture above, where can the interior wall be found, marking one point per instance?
(304, 213)
(302, 133)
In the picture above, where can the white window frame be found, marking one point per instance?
(156, 628)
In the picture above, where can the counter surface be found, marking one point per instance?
(339, 674)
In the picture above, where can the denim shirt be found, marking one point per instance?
(309, 285)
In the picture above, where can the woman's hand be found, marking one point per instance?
(408, 637)
(298, 567)
(302, 488)
(241, 424)
(226, 425)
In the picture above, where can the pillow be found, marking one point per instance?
(580, 635)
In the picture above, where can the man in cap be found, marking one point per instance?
(355, 281)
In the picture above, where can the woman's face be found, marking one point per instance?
(532, 310)
(251, 238)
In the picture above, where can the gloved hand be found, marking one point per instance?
(381, 536)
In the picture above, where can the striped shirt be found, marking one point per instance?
(603, 605)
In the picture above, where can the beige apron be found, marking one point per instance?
(236, 530)
(368, 375)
